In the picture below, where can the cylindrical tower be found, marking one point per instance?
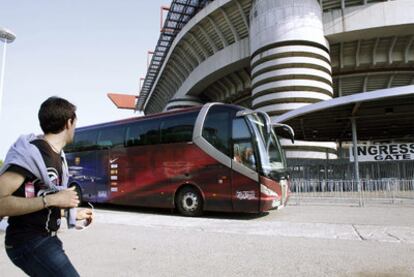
(183, 102)
(290, 62)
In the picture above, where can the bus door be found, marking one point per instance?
(111, 152)
(245, 179)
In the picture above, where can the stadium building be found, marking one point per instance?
(279, 56)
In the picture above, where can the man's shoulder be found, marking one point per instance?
(21, 171)
(45, 150)
(53, 160)
(40, 143)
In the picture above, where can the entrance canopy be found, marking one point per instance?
(381, 114)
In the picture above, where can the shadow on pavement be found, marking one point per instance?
(169, 212)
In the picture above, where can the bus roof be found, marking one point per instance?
(139, 118)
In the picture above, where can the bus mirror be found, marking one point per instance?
(244, 113)
(266, 117)
(286, 128)
(268, 122)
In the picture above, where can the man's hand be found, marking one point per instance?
(87, 216)
(67, 198)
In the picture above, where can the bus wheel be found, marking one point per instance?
(190, 202)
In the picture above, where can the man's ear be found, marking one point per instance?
(69, 123)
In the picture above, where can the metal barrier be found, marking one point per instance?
(343, 169)
(385, 191)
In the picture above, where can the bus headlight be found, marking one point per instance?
(265, 190)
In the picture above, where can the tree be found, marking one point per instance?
(1, 163)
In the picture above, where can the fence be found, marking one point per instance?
(384, 191)
(343, 169)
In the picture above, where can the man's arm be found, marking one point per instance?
(14, 206)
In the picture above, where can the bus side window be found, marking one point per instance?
(83, 141)
(143, 133)
(243, 151)
(216, 129)
(178, 129)
(110, 137)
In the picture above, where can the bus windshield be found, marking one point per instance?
(270, 151)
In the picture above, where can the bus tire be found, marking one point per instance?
(79, 192)
(189, 202)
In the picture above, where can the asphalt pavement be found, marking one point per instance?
(294, 241)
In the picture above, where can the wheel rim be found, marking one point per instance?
(190, 201)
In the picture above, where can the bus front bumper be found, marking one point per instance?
(273, 195)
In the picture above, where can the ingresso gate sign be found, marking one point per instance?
(383, 152)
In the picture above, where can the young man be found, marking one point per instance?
(33, 193)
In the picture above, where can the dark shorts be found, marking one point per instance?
(42, 256)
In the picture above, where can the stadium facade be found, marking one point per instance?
(280, 55)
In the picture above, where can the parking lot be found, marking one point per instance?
(295, 241)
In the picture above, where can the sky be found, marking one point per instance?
(76, 49)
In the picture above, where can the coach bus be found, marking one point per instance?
(215, 157)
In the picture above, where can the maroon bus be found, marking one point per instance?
(215, 157)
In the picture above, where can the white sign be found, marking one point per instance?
(383, 152)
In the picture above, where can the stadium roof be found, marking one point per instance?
(180, 12)
(379, 115)
(123, 101)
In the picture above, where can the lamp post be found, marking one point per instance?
(6, 36)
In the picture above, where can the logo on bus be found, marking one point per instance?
(246, 195)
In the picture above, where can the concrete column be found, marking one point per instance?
(290, 62)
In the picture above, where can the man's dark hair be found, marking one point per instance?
(54, 113)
